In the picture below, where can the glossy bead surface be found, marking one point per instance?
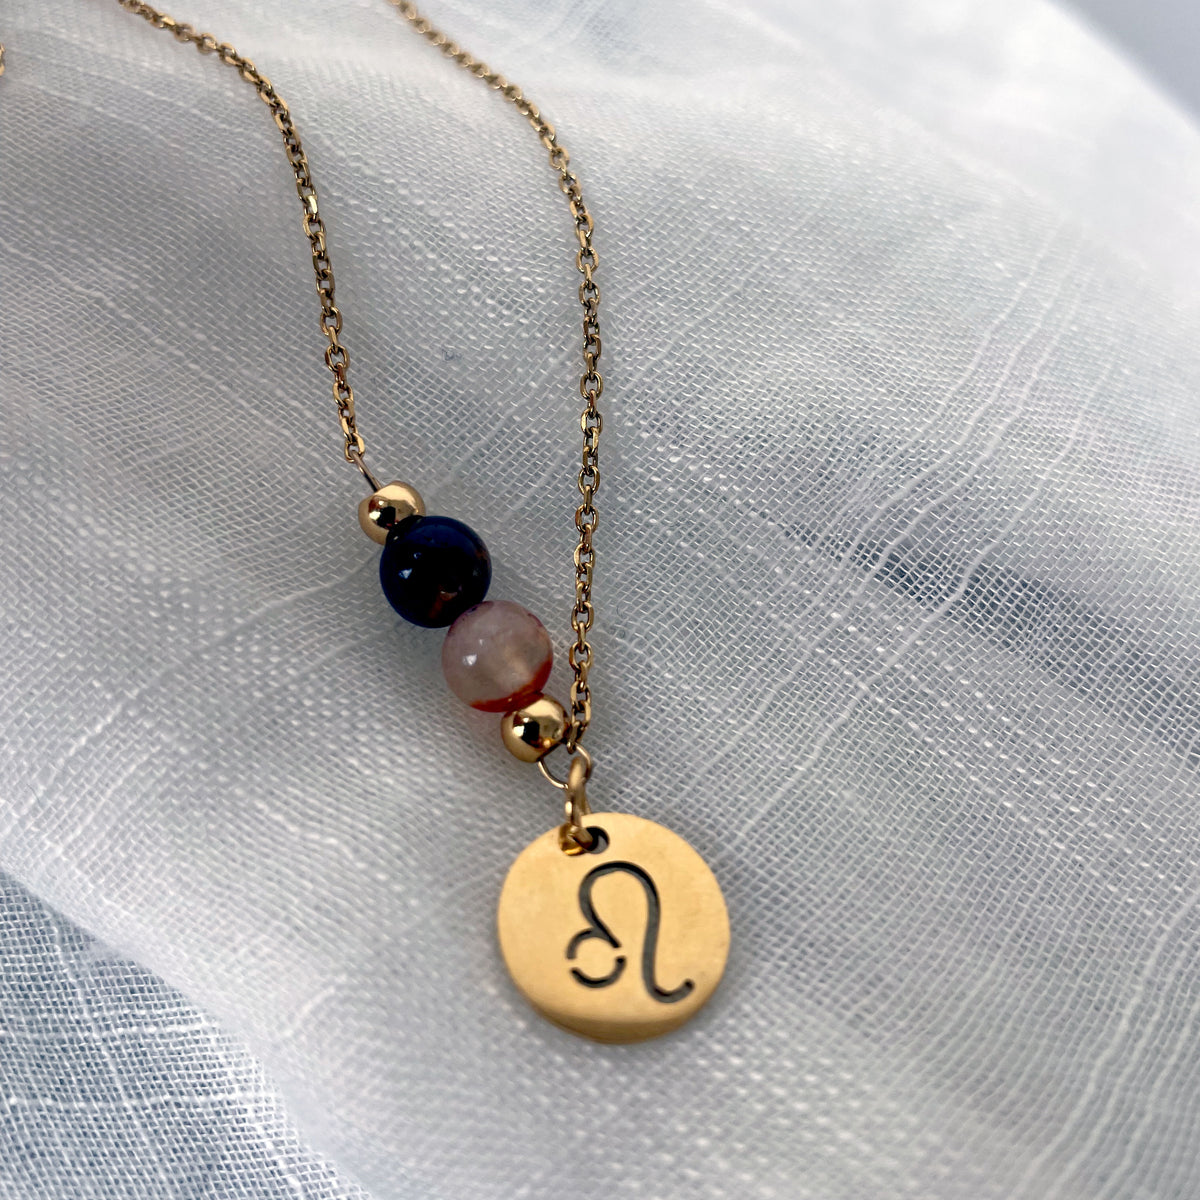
(496, 656)
(433, 569)
(533, 730)
(381, 511)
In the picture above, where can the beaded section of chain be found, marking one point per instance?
(337, 359)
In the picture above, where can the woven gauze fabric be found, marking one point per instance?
(115, 1086)
(897, 584)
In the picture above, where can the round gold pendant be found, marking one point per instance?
(621, 942)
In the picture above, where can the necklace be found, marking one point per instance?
(600, 888)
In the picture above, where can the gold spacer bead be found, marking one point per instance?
(532, 731)
(381, 510)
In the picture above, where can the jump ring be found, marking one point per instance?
(563, 784)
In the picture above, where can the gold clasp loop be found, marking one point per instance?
(581, 756)
(574, 836)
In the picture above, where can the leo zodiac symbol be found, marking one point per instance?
(596, 928)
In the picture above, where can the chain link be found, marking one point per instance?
(591, 383)
(336, 357)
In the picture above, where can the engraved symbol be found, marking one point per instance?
(597, 929)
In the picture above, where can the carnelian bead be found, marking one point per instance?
(496, 656)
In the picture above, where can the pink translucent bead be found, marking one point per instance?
(496, 656)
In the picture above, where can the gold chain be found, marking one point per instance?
(336, 358)
(591, 384)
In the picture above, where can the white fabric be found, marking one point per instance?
(898, 578)
(1163, 34)
(115, 1086)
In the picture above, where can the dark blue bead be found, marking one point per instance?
(433, 569)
